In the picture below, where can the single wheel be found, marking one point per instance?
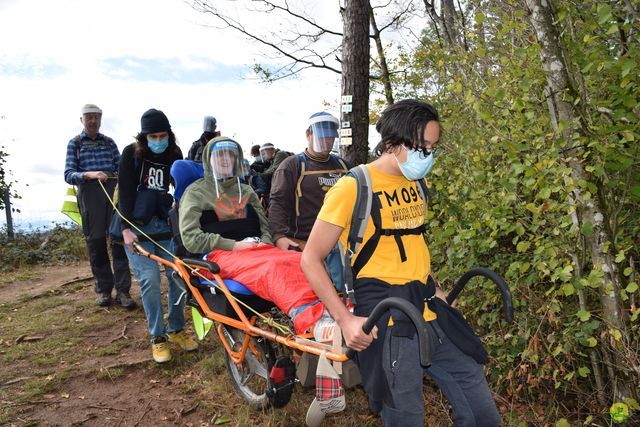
(250, 379)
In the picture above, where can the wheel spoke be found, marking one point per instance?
(246, 376)
(255, 366)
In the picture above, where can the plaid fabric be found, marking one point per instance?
(100, 154)
(328, 388)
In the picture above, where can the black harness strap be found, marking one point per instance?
(368, 249)
(367, 205)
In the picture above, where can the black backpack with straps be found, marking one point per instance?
(362, 210)
(339, 167)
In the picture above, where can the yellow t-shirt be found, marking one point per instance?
(401, 207)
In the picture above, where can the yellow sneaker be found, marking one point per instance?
(160, 350)
(183, 340)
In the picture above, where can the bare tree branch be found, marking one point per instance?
(301, 57)
(298, 16)
(435, 19)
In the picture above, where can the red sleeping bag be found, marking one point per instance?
(274, 275)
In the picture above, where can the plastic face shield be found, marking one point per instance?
(324, 131)
(246, 168)
(267, 153)
(225, 160)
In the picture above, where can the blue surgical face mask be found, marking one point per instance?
(417, 165)
(158, 145)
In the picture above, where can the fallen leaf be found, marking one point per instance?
(50, 377)
(222, 420)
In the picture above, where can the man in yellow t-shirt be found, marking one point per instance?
(393, 260)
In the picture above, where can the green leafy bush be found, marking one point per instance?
(59, 245)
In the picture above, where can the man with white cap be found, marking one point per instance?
(92, 157)
(208, 133)
(300, 183)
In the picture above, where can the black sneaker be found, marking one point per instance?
(104, 299)
(125, 300)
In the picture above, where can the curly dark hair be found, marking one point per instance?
(403, 123)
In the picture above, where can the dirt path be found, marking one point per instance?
(42, 279)
(66, 362)
(104, 376)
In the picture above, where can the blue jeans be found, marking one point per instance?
(147, 271)
(458, 376)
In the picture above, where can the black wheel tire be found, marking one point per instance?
(250, 379)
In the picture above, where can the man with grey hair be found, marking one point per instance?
(208, 133)
(93, 157)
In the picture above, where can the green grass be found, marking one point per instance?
(20, 275)
(40, 386)
(110, 374)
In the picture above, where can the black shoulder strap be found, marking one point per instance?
(424, 193)
(364, 208)
(338, 160)
(302, 164)
(76, 141)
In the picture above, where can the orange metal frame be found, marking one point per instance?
(300, 343)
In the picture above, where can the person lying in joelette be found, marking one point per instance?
(223, 218)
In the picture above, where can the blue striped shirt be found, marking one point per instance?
(100, 154)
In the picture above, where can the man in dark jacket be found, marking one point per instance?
(272, 158)
(263, 170)
(208, 133)
(299, 185)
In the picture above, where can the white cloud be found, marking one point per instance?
(42, 109)
(57, 56)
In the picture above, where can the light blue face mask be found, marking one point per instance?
(158, 146)
(417, 165)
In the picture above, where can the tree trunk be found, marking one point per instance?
(384, 69)
(449, 22)
(355, 78)
(6, 196)
(588, 209)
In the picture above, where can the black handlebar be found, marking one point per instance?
(208, 265)
(412, 313)
(507, 303)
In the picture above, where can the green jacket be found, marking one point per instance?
(278, 158)
(228, 200)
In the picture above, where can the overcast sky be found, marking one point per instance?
(126, 57)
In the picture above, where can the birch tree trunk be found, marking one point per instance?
(567, 119)
(355, 78)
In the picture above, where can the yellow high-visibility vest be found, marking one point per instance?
(70, 205)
